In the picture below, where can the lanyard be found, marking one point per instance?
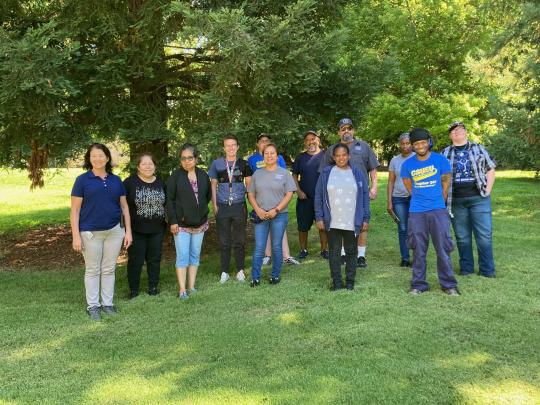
(230, 173)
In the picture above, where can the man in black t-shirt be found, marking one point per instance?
(469, 201)
(305, 171)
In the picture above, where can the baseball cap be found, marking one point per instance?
(263, 135)
(345, 121)
(312, 131)
(419, 134)
(455, 124)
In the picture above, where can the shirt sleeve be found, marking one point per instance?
(251, 188)
(490, 163)
(78, 187)
(392, 165)
(281, 162)
(122, 189)
(445, 166)
(373, 163)
(212, 173)
(405, 171)
(290, 185)
(248, 171)
(296, 164)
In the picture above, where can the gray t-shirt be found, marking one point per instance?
(395, 166)
(360, 154)
(342, 191)
(270, 187)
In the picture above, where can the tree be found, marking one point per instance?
(153, 71)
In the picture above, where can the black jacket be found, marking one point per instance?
(182, 206)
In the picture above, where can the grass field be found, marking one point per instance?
(295, 343)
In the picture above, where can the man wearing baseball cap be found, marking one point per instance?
(362, 156)
(427, 176)
(305, 171)
(473, 175)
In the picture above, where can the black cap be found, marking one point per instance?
(419, 134)
(345, 121)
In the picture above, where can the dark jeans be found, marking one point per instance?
(473, 215)
(347, 239)
(401, 208)
(422, 225)
(145, 247)
(231, 226)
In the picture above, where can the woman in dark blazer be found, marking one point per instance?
(188, 195)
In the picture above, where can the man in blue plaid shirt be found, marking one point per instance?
(469, 201)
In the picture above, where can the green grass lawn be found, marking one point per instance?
(295, 343)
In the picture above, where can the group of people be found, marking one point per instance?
(426, 191)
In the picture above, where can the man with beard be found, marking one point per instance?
(305, 174)
(427, 177)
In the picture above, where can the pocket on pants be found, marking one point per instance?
(87, 235)
(448, 243)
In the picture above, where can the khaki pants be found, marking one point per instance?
(100, 251)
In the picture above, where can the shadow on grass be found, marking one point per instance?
(14, 224)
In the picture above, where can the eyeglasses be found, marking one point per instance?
(346, 128)
(187, 158)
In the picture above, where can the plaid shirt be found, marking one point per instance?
(481, 163)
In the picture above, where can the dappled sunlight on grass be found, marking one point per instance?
(504, 392)
(131, 388)
(44, 348)
(470, 360)
(224, 396)
(290, 318)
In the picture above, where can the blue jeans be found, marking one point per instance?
(473, 215)
(188, 248)
(277, 227)
(401, 208)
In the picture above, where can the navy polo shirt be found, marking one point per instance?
(100, 209)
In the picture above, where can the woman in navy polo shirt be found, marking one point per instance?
(98, 199)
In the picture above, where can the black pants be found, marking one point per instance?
(347, 239)
(231, 223)
(145, 247)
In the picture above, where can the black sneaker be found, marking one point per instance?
(109, 310)
(453, 292)
(153, 291)
(275, 280)
(405, 263)
(337, 287)
(350, 287)
(133, 294)
(324, 254)
(255, 283)
(94, 313)
(492, 275)
(361, 262)
(303, 254)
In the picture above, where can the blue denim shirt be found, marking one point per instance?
(322, 206)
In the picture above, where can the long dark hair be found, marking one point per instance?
(88, 166)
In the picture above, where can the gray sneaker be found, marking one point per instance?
(110, 310)
(94, 313)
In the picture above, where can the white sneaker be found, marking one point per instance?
(292, 261)
(240, 276)
(224, 278)
(266, 260)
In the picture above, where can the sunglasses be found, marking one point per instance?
(187, 158)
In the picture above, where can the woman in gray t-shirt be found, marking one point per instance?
(269, 193)
(342, 209)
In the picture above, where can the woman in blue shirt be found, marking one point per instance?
(98, 200)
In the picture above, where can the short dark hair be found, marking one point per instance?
(192, 148)
(143, 154)
(231, 136)
(340, 146)
(88, 166)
